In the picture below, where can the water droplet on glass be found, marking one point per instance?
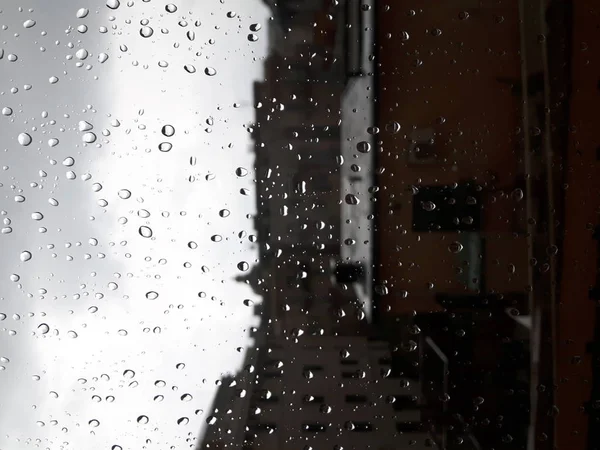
(83, 125)
(159, 398)
(171, 8)
(168, 130)
(88, 137)
(29, 23)
(186, 398)
(145, 231)
(183, 421)
(255, 27)
(455, 247)
(241, 172)
(113, 4)
(143, 420)
(393, 127)
(6, 111)
(428, 206)
(53, 142)
(189, 68)
(151, 295)
(243, 266)
(53, 201)
(146, 32)
(25, 256)
(15, 278)
(82, 12)
(24, 139)
(124, 194)
(72, 334)
(363, 147)
(351, 199)
(81, 54)
(216, 238)
(224, 213)
(160, 383)
(102, 57)
(43, 328)
(94, 423)
(252, 37)
(210, 71)
(129, 374)
(165, 147)
(180, 366)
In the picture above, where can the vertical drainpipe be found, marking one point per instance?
(535, 316)
(551, 205)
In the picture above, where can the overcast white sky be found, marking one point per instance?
(66, 284)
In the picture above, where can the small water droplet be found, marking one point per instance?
(129, 374)
(29, 23)
(113, 4)
(210, 71)
(102, 57)
(243, 266)
(186, 398)
(224, 213)
(94, 423)
(6, 111)
(43, 328)
(171, 8)
(151, 295)
(189, 68)
(183, 421)
(25, 256)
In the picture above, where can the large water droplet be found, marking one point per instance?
(102, 57)
(113, 4)
(145, 231)
(243, 266)
(82, 12)
(171, 8)
(210, 71)
(186, 398)
(124, 194)
(43, 328)
(25, 256)
(94, 423)
(24, 139)
(168, 130)
(351, 199)
(165, 147)
(183, 421)
(151, 295)
(146, 31)
(189, 68)
(29, 23)
(88, 137)
(143, 420)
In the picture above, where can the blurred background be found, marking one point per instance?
(299, 224)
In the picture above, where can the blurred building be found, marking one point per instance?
(297, 135)
(318, 392)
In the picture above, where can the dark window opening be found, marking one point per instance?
(446, 208)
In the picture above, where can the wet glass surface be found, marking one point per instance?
(316, 224)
